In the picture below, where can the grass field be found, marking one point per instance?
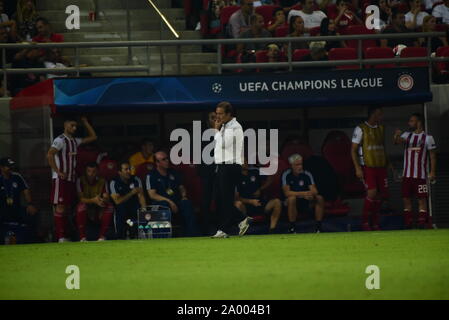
(413, 265)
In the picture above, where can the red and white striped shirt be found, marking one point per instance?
(66, 157)
(415, 154)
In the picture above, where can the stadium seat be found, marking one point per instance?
(108, 169)
(143, 169)
(441, 27)
(266, 11)
(275, 189)
(84, 155)
(379, 53)
(299, 53)
(336, 149)
(314, 31)
(412, 52)
(281, 31)
(442, 67)
(359, 29)
(344, 54)
(226, 14)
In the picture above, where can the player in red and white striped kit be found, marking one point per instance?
(418, 146)
(62, 160)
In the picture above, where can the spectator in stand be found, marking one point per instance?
(414, 18)
(288, 4)
(250, 198)
(257, 30)
(317, 53)
(384, 13)
(12, 188)
(145, 155)
(10, 53)
(397, 26)
(25, 17)
(296, 29)
(328, 28)
(239, 21)
(165, 188)
(26, 58)
(278, 20)
(127, 194)
(54, 59)
(441, 12)
(10, 25)
(344, 16)
(301, 193)
(45, 33)
(429, 4)
(94, 202)
(429, 24)
(312, 18)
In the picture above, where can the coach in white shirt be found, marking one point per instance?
(442, 11)
(228, 154)
(312, 19)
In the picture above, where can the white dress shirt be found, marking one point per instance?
(229, 144)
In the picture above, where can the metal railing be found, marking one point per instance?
(290, 64)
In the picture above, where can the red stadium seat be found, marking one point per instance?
(336, 149)
(191, 182)
(275, 188)
(143, 169)
(443, 67)
(108, 169)
(84, 155)
(266, 12)
(281, 31)
(261, 56)
(336, 208)
(379, 53)
(314, 31)
(298, 54)
(359, 29)
(412, 52)
(226, 13)
(441, 27)
(304, 150)
(344, 54)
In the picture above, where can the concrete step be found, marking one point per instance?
(102, 4)
(117, 15)
(139, 59)
(105, 26)
(77, 36)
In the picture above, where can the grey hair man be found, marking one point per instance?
(301, 193)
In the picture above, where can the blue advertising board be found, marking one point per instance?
(257, 90)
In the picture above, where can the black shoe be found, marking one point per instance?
(292, 230)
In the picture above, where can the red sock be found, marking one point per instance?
(422, 218)
(408, 218)
(367, 209)
(105, 220)
(59, 225)
(81, 217)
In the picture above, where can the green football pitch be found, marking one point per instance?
(412, 265)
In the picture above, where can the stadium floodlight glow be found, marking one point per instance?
(164, 19)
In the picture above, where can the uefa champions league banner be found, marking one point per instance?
(263, 90)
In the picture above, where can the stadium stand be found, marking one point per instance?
(379, 53)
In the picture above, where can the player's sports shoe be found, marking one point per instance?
(220, 234)
(244, 225)
(62, 240)
(292, 230)
(101, 239)
(83, 240)
(366, 227)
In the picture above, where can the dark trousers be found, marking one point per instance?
(226, 180)
(123, 212)
(20, 222)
